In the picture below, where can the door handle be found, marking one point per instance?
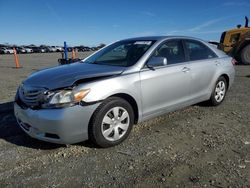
(217, 63)
(185, 69)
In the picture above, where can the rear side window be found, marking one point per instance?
(172, 50)
(198, 51)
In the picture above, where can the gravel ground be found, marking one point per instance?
(199, 146)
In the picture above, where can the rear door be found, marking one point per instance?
(202, 62)
(165, 87)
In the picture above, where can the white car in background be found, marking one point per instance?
(56, 49)
(7, 50)
(53, 49)
(42, 50)
(28, 50)
(59, 49)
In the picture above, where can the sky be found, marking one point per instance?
(82, 22)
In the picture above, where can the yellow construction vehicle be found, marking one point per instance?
(236, 43)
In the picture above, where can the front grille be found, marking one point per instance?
(31, 96)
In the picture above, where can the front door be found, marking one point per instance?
(165, 87)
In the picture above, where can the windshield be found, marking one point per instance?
(122, 53)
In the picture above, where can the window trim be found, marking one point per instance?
(196, 41)
(144, 67)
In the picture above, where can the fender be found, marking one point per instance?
(122, 84)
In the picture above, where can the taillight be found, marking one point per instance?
(233, 61)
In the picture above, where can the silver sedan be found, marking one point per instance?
(101, 97)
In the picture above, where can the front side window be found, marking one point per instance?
(198, 51)
(122, 53)
(172, 50)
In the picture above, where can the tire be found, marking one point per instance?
(245, 55)
(219, 92)
(107, 128)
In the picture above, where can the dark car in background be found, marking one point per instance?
(38, 50)
(79, 48)
(1, 50)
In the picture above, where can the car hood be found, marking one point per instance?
(67, 75)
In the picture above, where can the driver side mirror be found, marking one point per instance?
(157, 61)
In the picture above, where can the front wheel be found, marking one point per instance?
(219, 92)
(111, 122)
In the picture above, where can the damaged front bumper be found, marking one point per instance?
(63, 126)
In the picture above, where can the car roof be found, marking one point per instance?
(147, 38)
(157, 38)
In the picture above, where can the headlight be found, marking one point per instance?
(64, 98)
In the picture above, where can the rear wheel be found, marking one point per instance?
(111, 122)
(219, 91)
(245, 55)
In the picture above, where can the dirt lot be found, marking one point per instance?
(199, 146)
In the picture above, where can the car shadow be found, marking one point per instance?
(12, 133)
(203, 104)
